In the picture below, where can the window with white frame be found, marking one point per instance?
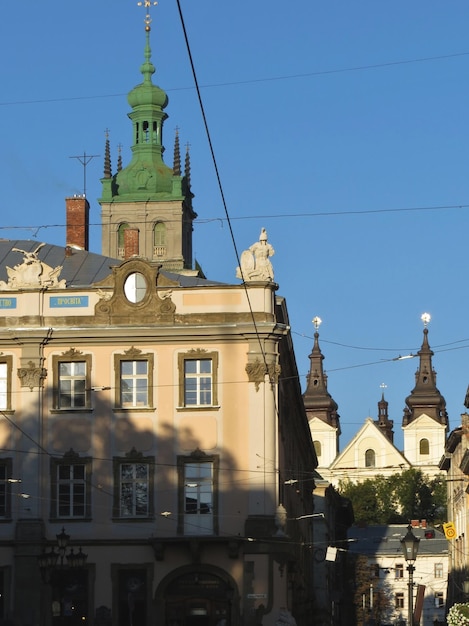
(198, 495)
(72, 384)
(134, 376)
(72, 374)
(198, 379)
(399, 570)
(134, 383)
(399, 600)
(70, 487)
(133, 496)
(5, 383)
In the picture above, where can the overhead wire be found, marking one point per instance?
(269, 216)
(356, 68)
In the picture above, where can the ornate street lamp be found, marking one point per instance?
(410, 548)
(48, 561)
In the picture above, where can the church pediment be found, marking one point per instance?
(370, 438)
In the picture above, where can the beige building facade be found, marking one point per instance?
(156, 465)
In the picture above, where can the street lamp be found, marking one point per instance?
(48, 561)
(410, 548)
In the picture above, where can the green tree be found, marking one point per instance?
(398, 498)
(367, 585)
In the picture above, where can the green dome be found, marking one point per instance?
(147, 92)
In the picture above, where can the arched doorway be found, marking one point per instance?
(197, 597)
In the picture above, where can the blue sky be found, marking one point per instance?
(341, 127)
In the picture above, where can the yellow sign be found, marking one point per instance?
(450, 530)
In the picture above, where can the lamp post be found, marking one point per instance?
(410, 548)
(56, 570)
(49, 561)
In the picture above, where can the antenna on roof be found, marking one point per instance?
(84, 160)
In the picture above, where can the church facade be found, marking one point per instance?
(372, 450)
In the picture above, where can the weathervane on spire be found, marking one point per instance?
(425, 317)
(317, 321)
(147, 4)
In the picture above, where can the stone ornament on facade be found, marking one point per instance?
(257, 371)
(255, 262)
(32, 273)
(32, 376)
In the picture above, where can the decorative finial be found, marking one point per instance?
(317, 321)
(119, 157)
(425, 317)
(147, 4)
(383, 386)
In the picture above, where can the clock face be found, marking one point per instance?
(135, 287)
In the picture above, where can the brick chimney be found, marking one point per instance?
(77, 210)
(130, 242)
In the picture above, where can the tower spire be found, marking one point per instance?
(107, 157)
(166, 234)
(177, 155)
(317, 400)
(383, 422)
(425, 396)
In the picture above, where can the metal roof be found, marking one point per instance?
(80, 268)
(386, 540)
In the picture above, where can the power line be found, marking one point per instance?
(343, 70)
(270, 216)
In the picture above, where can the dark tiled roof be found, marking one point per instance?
(80, 269)
(385, 540)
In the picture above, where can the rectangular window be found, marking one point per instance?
(72, 373)
(134, 384)
(198, 495)
(198, 379)
(5, 383)
(133, 490)
(134, 379)
(374, 570)
(197, 382)
(71, 487)
(133, 486)
(399, 570)
(399, 600)
(132, 596)
(439, 599)
(72, 385)
(438, 570)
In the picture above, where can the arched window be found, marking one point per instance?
(120, 238)
(317, 448)
(370, 458)
(159, 234)
(159, 240)
(424, 446)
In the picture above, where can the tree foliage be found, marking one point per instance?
(398, 498)
(366, 585)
